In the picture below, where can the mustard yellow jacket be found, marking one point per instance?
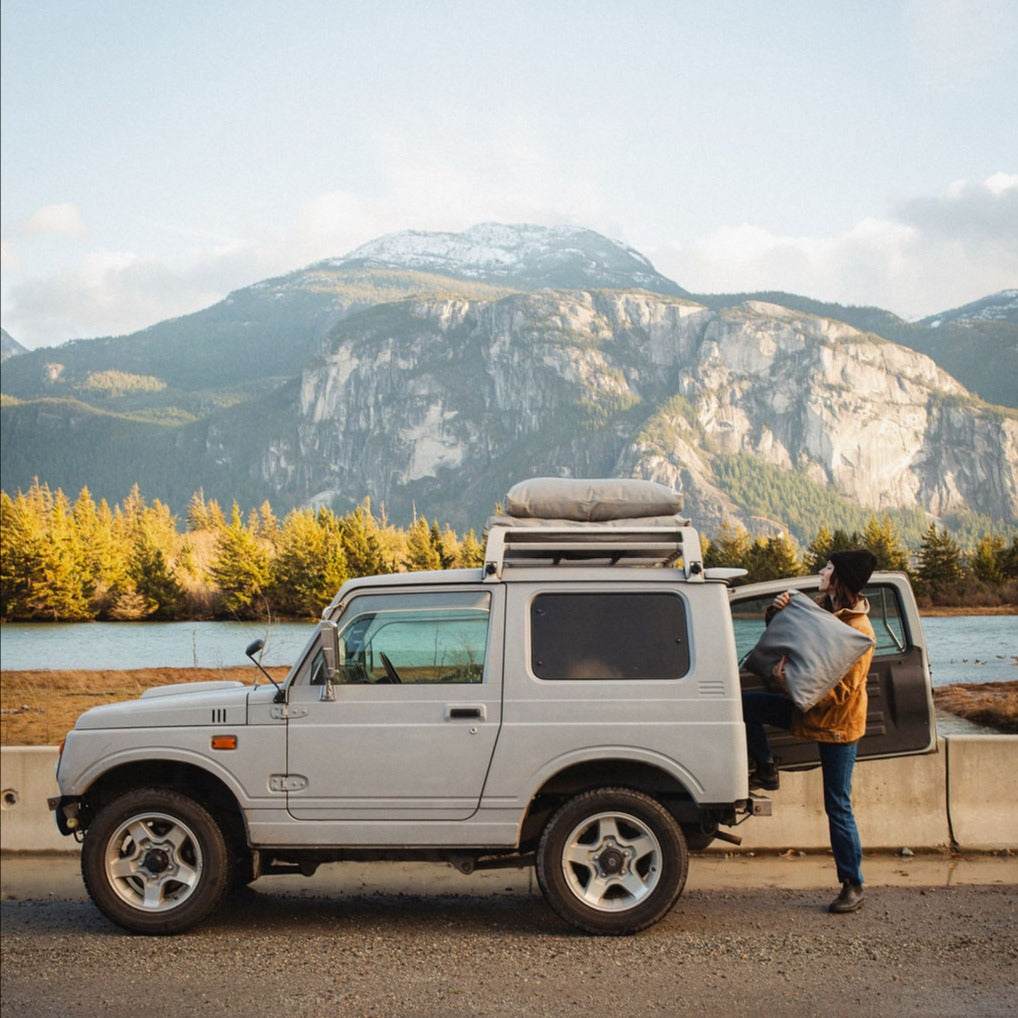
(840, 716)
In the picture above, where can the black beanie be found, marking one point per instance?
(854, 568)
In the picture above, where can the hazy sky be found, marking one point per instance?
(157, 155)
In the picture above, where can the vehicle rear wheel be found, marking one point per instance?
(612, 861)
(155, 861)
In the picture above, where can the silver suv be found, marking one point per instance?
(575, 704)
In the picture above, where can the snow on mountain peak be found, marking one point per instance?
(520, 255)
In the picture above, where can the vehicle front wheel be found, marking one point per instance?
(612, 861)
(155, 861)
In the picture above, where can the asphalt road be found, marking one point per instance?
(748, 937)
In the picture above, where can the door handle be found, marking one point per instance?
(474, 713)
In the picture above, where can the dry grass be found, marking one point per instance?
(38, 708)
(994, 704)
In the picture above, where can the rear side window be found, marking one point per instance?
(609, 636)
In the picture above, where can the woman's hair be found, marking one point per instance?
(839, 595)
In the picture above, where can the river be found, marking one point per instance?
(967, 648)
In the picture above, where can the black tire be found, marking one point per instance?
(154, 861)
(612, 861)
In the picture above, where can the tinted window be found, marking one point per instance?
(609, 636)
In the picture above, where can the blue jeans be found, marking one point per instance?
(837, 761)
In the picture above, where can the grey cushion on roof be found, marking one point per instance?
(588, 501)
(820, 649)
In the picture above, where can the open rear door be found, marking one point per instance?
(901, 719)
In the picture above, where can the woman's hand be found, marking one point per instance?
(781, 601)
(779, 669)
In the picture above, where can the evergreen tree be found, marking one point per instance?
(1009, 562)
(104, 558)
(989, 558)
(359, 533)
(445, 545)
(60, 592)
(730, 550)
(310, 565)
(939, 562)
(22, 555)
(153, 577)
(198, 517)
(240, 569)
(881, 537)
(421, 554)
(772, 558)
(471, 554)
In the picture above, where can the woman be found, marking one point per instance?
(836, 723)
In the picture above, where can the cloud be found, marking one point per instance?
(927, 255)
(62, 219)
(116, 292)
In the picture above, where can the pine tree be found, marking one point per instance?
(22, 555)
(881, 537)
(240, 569)
(104, 559)
(310, 565)
(729, 550)
(939, 562)
(421, 554)
(772, 558)
(988, 559)
(359, 533)
(819, 550)
(60, 592)
(471, 554)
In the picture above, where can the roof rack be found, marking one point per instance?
(675, 544)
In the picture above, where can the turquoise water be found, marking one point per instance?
(969, 648)
(147, 644)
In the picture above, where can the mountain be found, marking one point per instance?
(521, 257)
(431, 371)
(998, 307)
(9, 346)
(977, 343)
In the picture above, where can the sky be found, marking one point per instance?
(154, 157)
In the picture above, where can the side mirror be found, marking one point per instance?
(253, 648)
(333, 657)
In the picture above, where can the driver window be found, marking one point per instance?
(414, 638)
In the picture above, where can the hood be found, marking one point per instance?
(186, 704)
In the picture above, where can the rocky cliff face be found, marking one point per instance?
(417, 398)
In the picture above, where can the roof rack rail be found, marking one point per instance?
(674, 544)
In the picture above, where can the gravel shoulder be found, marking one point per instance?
(399, 945)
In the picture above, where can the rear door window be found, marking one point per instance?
(625, 635)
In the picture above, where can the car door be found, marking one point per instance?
(900, 719)
(407, 728)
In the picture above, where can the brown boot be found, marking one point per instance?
(849, 900)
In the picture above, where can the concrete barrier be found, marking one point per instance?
(982, 780)
(899, 803)
(962, 795)
(27, 780)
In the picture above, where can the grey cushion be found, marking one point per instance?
(582, 500)
(820, 649)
